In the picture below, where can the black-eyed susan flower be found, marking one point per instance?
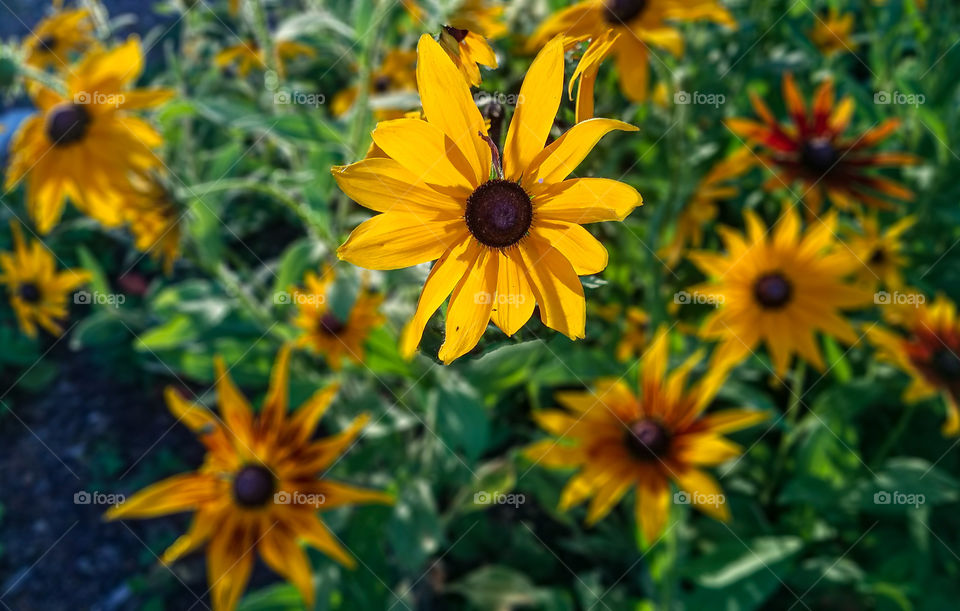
(85, 146)
(816, 153)
(58, 38)
(257, 491)
(703, 205)
(642, 25)
(247, 56)
(37, 291)
(506, 238)
(465, 38)
(927, 347)
(779, 287)
(833, 34)
(327, 333)
(153, 217)
(881, 252)
(397, 74)
(617, 439)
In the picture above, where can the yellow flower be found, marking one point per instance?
(779, 288)
(247, 56)
(465, 38)
(84, 146)
(397, 73)
(833, 34)
(258, 487)
(617, 441)
(927, 348)
(38, 292)
(324, 331)
(503, 244)
(59, 36)
(641, 25)
(154, 219)
(880, 253)
(703, 205)
(633, 340)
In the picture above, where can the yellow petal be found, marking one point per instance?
(384, 185)
(172, 495)
(393, 240)
(587, 200)
(556, 285)
(229, 563)
(536, 110)
(425, 150)
(470, 304)
(280, 551)
(585, 252)
(564, 154)
(447, 104)
(514, 302)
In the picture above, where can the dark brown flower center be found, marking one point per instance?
(29, 292)
(331, 325)
(47, 43)
(381, 83)
(819, 155)
(947, 365)
(878, 257)
(67, 124)
(253, 486)
(622, 11)
(647, 440)
(772, 291)
(457, 33)
(499, 213)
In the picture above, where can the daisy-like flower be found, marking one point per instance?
(505, 240)
(833, 34)
(38, 292)
(150, 212)
(703, 206)
(57, 38)
(815, 153)
(618, 440)
(247, 56)
(326, 333)
(397, 74)
(642, 25)
(258, 488)
(927, 347)
(881, 252)
(779, 288)
(465, 38)
(85, 146)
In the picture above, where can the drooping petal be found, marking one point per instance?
(515, 301)
(470, 305)
(280, 551)
(556, 286)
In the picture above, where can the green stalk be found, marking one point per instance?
(790, 416)
(906, 415)
(261, 31)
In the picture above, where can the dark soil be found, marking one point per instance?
(89, 432)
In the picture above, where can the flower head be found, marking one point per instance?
(37, 291)
(258, 487)
(927, 347)
(57, 38)
(816, 153)
(396, 74)
(153, 217)
(326, 332)
(618, 440)
(642, 25)
(779, 288)
(247, 56)
(833, 34)
(881, 252)
(505, 240)
(465, 37)
(85, 145)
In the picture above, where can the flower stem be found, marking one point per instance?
(791, 415)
